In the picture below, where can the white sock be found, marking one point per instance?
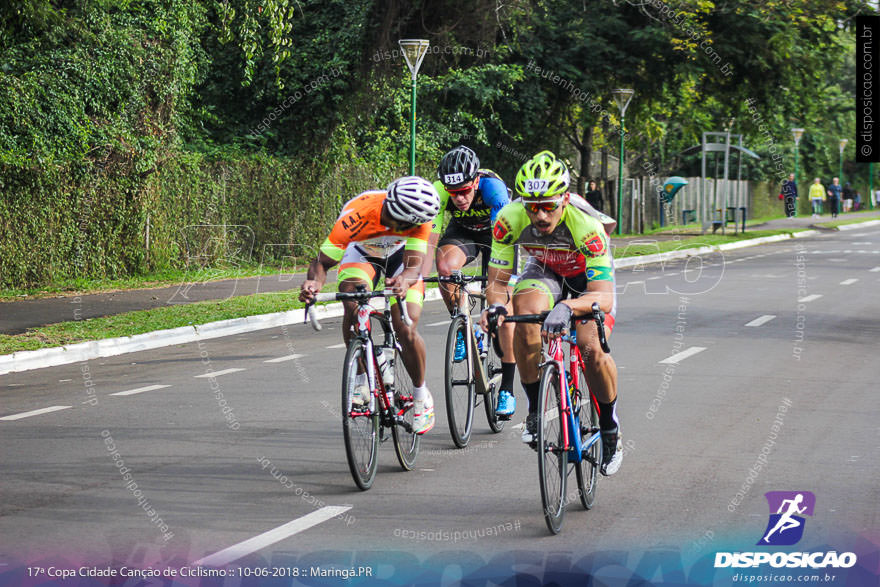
(420, 392)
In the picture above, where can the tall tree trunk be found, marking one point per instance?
(586, 152)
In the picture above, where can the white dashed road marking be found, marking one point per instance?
(441, 323)
(848, 281)
(336, 346)
(762, 320)
(683, 355)
(213, 374)
(34, 413)
(140, 390)
(282, 359)
(274, 535)
(809, 298)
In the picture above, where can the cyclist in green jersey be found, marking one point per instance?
(569, 268)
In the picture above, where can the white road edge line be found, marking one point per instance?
(762, 320)
(282, 359)
(34, 413)
(140, 390)
(213, 374)
(683, 355)
(237, 551)
(848, 281)
(441, 323)
(341, 345)
(810, 298)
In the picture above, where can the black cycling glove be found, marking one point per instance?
(558, 320)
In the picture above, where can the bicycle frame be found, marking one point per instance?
(573, 443)
(377, 385)
(462, 309)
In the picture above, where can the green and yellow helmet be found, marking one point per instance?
(543, 176)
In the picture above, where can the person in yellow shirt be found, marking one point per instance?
(817, 197)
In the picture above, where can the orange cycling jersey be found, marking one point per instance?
(359, 222)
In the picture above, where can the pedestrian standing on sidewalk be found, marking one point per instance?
(834, 193)
(817, 197)
(789, 194)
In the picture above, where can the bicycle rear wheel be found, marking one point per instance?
(492, 368)
(406, 442)
(360, 427)
(552, 456)
(587, 470)
(459, 385)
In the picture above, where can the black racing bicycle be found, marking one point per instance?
(473, 376)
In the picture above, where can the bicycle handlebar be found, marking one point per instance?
(456, 277)
(358, 296)
(598, 316)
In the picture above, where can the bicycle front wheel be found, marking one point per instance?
(459, 383)
(406, 441)
(360, 424)
(552, 456)
(587, 470)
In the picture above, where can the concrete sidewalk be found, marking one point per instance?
(18, 316)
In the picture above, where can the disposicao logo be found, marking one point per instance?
(785, 528)
(786, 525)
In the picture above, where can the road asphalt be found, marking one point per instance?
(740, 373)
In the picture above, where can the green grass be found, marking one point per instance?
(80, 285)
(132, 323)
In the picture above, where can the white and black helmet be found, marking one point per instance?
(458, 167)
(412, 199)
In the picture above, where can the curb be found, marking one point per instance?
(858, 225)
(684, 253)
(110, 347)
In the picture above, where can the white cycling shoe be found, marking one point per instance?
(424, 414)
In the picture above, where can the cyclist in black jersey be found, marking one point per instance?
(472, 198)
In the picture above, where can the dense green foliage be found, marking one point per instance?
(120, 118)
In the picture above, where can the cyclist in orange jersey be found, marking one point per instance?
(385, 232)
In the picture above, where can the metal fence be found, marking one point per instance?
(641, 205)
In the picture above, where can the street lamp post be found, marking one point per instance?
(797, 133)
(622, 97)
(843, 143)
(414, 51)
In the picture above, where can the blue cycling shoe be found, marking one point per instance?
(460, 351)
(506, 405)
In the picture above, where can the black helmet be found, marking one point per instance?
(459, 166)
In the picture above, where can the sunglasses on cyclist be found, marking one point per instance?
(461, 190)
(544, 206)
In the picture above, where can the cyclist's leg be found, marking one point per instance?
(506, 404)
(601, 374)
(537, 290)
(411, 342)
(355, 269)
(601, 368)
(454, 251)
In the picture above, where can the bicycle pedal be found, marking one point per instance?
(503, 417)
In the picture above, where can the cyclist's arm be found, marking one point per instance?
(428, 264)
(316, 276)
(494, 194)
(496, 285)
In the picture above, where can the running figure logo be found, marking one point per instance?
(786, 526)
